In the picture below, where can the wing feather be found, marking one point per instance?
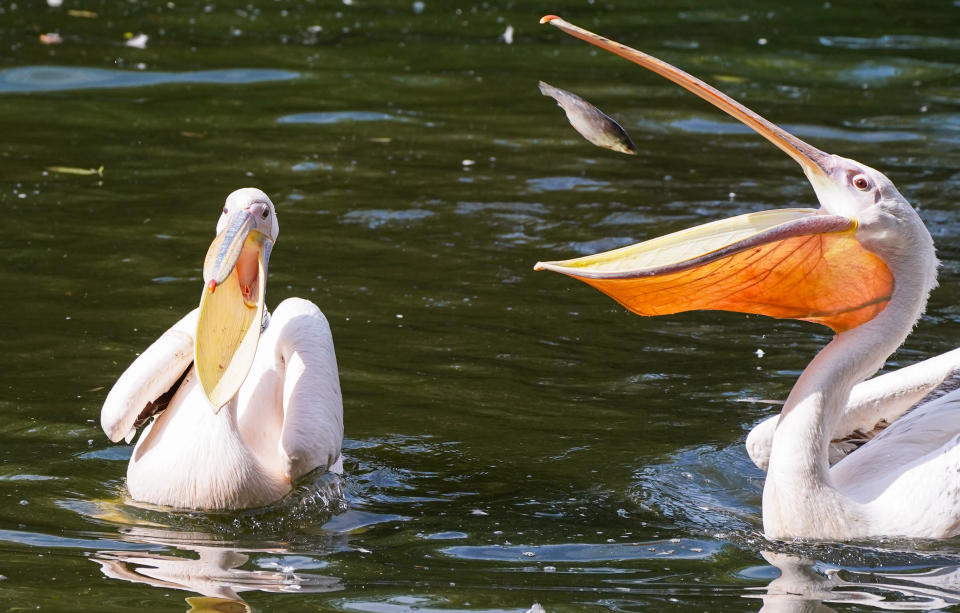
(148, 378)
(873, 406)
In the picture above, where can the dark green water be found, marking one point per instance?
(512, 436)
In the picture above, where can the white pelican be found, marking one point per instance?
(252, 401)
(863, 264)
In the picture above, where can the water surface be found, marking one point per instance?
(512, 437)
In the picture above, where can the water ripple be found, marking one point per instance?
(555, 184)
(32, 79)
(699, 125)
(337, 117)
(588, 552)
(374, 218)
(890, 41)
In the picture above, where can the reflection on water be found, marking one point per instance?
(804, 585)
(702, 125)
(337, 117)
(31, 79)
(210, 570)
(216, 564)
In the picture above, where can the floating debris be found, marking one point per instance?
(50, 38)
(507, 35)
(138, 42)
(728, 78)
(592, 123)
(73, 170)
(82, 14)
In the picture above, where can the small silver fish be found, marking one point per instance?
(592, 123)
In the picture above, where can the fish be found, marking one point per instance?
(592, 123)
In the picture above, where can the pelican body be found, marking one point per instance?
(250, 402)
(862, 264)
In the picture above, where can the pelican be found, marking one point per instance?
(863, 265)
(250, 401)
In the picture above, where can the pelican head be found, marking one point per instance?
(834, 265)
(232, 303)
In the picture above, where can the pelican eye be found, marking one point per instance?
(224, 210)
(265, 213)
(861, 183)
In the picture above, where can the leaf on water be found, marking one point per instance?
(192, 134)
(727, 78)
(82, 14)
(73, 170)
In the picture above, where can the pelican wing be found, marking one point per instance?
(881, 400)
(919, 450)
(890, 395)
(312, 405)
(151, 375)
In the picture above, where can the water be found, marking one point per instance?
(512, 437)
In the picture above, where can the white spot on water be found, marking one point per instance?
(138, 42)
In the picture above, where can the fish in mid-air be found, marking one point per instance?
(592, 123)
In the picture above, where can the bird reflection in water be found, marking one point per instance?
(804, 587)
(210, 569)
(210, 563)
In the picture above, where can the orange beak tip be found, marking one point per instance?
(212, 285)
(548, 18)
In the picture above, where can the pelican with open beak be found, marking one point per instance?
(237, 404)
(862, 264)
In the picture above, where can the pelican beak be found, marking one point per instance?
(231, 307)
(795, 263)
(790, 263)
